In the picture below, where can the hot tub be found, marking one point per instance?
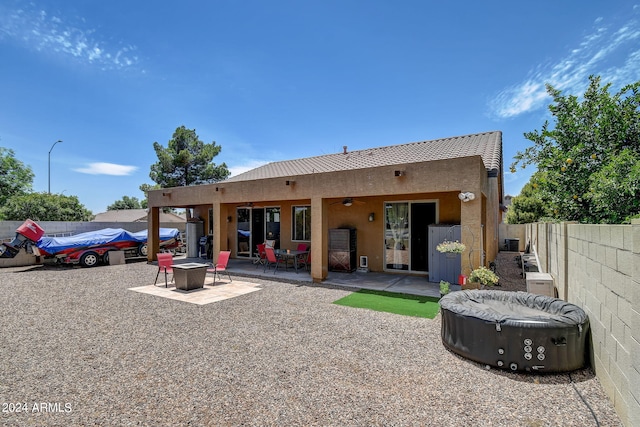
(515, 330)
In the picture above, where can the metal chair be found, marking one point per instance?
(220, 265)
(305, 260)
(165, 261)
(261, 254)
(272, 259)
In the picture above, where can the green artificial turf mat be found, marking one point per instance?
(407, 305)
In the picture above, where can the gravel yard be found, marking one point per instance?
(79, 348)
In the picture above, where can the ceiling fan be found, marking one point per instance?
(249, 205)
(348, 201)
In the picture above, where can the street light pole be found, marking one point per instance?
(54, 144)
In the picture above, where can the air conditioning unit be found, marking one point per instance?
(540, 283)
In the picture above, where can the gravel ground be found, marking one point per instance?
(78, 348)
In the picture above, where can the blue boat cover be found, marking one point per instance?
(53, 245)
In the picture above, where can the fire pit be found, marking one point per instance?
(190, 275)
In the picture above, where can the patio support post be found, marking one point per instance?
(319, 239)
(219, 230)
(153, 233)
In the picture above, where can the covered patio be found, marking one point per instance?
(507, 269)
(408, 284)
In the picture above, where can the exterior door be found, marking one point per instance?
(407, 235)
(254, 226)
(257, 228)
(422, 214)
(243, 244)
(397, 236)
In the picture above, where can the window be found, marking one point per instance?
(302, 223)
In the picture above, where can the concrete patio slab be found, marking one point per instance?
(399, 283)
(208, 294)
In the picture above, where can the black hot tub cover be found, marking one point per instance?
(520, 309)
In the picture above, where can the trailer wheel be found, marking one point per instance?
(143, 249)
(89, 259)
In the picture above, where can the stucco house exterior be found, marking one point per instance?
(390, 195)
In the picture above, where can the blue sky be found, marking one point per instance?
(277, 80)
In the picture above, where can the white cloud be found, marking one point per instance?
(595, 55)
(107, 169)
(38, 30)
(247, 166)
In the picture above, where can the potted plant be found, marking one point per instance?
(444, 288)
(480, 278)
(451, 247)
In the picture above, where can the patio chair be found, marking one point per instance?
(302, 258)
(165, 261)
(305, 260)
(261, 254)
(273, 260)
(221, 265)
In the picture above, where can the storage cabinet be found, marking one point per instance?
(342, 249)
(443, 266)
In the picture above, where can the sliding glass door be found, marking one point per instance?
(397, 236)
(406, 235)
(243, 248)
(254, 226)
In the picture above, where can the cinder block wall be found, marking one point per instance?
(597, 267)
(512, 231)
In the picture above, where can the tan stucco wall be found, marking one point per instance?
(466, 174)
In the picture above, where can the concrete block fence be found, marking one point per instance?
(597, 267)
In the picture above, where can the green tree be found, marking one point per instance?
(15, 177)
(44, 207)
(186, 161)
(528, 206)
(125, 203)
(145, 188)
(617, 184)
(595, 140)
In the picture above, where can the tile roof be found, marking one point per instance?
(488, 145)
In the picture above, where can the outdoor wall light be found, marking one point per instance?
(466, 196)
(166, 193)
(289, 182)
(372, 216)
(399, 173)
(229, 219)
